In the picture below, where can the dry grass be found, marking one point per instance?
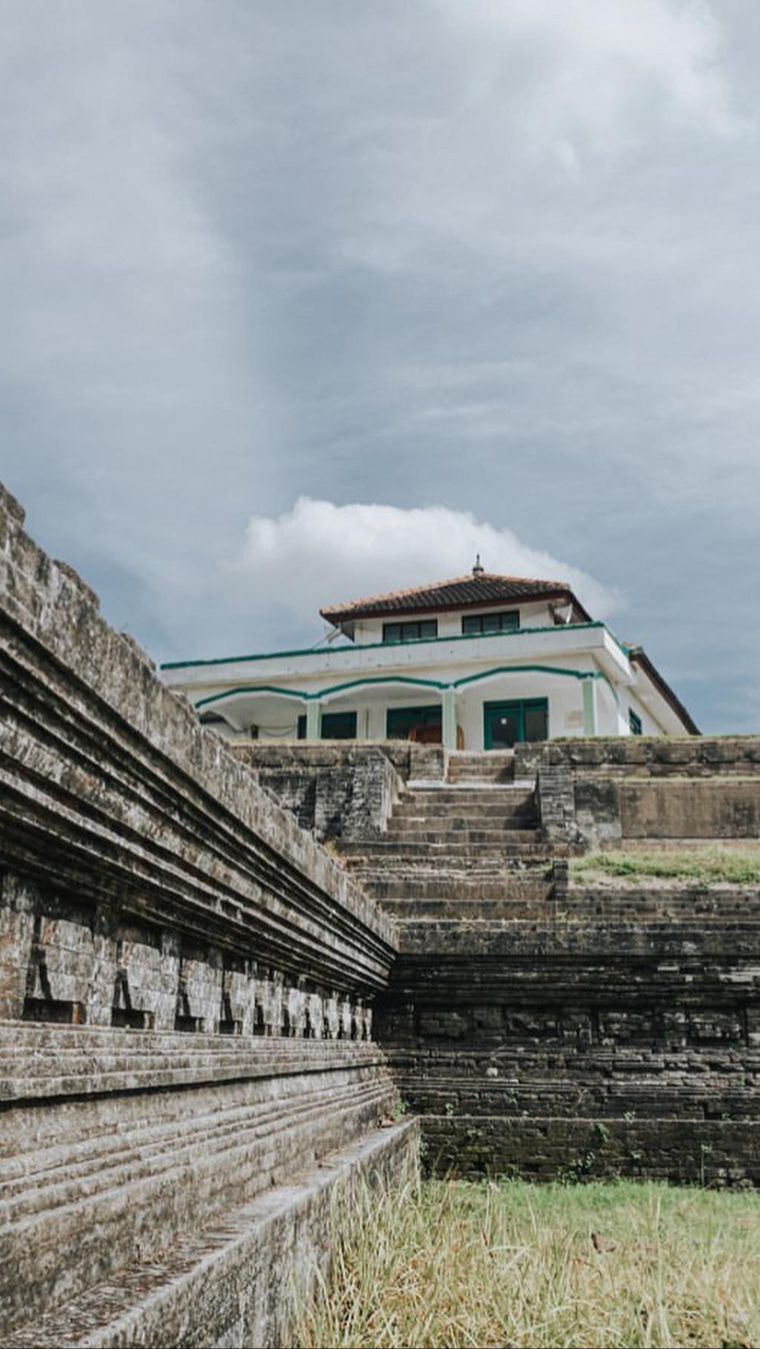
(510, 1264)
(702, 866)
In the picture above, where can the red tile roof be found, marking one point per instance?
(475, 590)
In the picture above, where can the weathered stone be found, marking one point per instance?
(186, 981)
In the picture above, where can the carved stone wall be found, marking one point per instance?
(187, 984)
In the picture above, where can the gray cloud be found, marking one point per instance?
(495, 258)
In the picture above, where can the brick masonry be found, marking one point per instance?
(187, 983)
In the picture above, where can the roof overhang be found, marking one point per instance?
(639, 659)
(340, 616)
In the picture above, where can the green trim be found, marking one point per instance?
(437, 684)
(527, 669)
(320, 693)
(253, 688)
(376, 646)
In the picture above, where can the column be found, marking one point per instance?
(588, 687)
(449, 718)
(313, 719)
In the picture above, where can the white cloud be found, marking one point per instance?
(319, 553)
(582, 68)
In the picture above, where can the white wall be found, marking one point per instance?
(534, 615)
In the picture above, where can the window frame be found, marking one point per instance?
(405, 631)
(473, 625)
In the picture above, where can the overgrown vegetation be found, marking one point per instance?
(706, 866)
(447, 1263)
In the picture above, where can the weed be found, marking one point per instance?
(703, 866)
(447, 1263)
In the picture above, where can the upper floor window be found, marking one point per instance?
(634, 723)
(507, 621)
(410, 632)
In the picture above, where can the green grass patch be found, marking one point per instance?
(708, 866)
(451, 1263)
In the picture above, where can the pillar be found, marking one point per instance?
(313, 719)
(449, 718)
(588, 687)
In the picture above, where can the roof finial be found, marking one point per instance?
(477, 569)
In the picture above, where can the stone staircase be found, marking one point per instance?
(468, 846)
(137, 1159)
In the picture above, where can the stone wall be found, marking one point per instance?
(186, 996)
(640, 756)
(598, 793)
(624, 1019)
(341, 790)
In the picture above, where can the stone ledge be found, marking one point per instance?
(711, 1152)
(236, 1282)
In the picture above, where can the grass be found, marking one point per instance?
(450, 1263)
(706, 865)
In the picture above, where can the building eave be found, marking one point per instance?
(339, 617)
(638, 657)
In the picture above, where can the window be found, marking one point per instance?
(334, 726)
(410, 632)
(473, 624)
(421, 722)
(520, 719)
(634, 723)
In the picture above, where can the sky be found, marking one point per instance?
(312, 299)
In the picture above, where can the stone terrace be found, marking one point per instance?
(189, 1078)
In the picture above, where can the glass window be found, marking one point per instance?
(634, 723)
(410, 632)
(519, 719)
(400, 722)
(338, 725)
(334, 726)
(506, 621)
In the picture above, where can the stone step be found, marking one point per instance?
(90, 1182)
(465, 909)
(489, 763)
(166, 1297)
(454, 815)
(720, 907)
(517, 885)
(449, 850)
(457, 773)
(453, 870)
(498, 839)
(496, 793)
(46, 1060)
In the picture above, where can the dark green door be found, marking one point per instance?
(521, 719)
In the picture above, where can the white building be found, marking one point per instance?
(477, 662)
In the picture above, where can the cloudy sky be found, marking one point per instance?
(306, 299)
